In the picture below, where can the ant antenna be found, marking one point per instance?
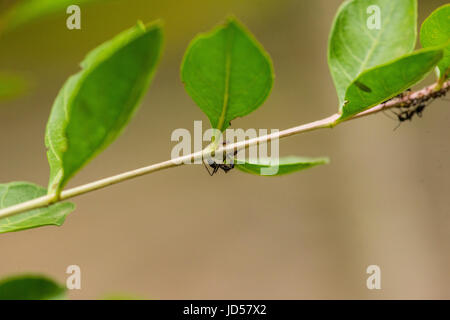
(384, 112)
(398, 126)
(399, 118)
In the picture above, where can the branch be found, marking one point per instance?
(426, 94)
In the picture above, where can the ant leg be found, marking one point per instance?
(206, 167)
(399, 118)
(384, 112)
(398, 115)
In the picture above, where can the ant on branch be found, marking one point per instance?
(225, 165)
(416, 106)
(408, 114)
(399, 96)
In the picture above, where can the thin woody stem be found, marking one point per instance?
(431, 92)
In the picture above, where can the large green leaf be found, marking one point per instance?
(383, 82)
(95, 105)
(11, 85)
(227, 73)
(18, 192)
(436, 32)
(354, 47)
(286, 165)
(31, 287)
(25, 11)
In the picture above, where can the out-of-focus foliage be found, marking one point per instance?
(11, 86)
(31, 287)
(26, 11)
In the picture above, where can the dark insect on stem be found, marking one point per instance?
(409, 113)
(362, 86)
(224, 166)
(419, 110)
(213, 165)
(399, 96)
(414, 106)
(216, 166)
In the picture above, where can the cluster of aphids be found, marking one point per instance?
(408, 109)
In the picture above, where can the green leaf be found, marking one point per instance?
(286, 165)
(386, 81)
(354, 47)
(18, 192)
(95, 105)
(227, 73)
(11, 86)
(436, 32)
(31, 287)
(26, 11)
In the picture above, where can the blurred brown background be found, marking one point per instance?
(182, 234)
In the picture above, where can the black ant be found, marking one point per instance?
(216, 166)
(224, 166)
(399, 96)
(415, 106)
(409, 113)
